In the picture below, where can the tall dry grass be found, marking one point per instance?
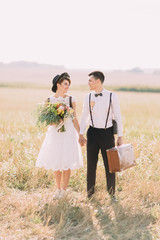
(27, 210)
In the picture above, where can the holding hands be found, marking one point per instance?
(82, 140)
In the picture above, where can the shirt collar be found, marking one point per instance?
(103, 90)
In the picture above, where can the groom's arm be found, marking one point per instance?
(84, 120)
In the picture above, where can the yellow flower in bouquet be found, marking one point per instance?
(61, 110)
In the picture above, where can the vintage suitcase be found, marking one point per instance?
(120, 158)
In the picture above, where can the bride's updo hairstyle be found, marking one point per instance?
(59, 79)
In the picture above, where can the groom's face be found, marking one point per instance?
(93, 83)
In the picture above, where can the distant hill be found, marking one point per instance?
(24, 64)
(42, 74)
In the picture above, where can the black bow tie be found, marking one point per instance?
(98, 94)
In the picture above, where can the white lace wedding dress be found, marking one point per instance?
(61, 150)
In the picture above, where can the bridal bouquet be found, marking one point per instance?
(54, 113)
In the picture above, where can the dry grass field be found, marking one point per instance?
(27, 210)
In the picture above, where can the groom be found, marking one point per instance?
(100, 132)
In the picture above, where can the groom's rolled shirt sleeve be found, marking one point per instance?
(85, 115)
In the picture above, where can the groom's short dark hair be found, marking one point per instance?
(97, 75)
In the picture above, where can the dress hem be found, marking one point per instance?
(64, 169)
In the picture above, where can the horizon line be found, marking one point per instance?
(136, 68)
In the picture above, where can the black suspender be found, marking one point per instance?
(91, 110)
(108, 110)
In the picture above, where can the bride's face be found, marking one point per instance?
(64, 86)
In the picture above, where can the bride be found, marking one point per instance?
(61, 151)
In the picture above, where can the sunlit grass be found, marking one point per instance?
(27, 210)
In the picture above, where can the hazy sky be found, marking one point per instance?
(101, 34)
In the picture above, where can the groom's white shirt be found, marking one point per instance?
(100, 110)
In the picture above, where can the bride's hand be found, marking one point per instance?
(82, 140)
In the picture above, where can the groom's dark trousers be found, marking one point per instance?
(99, 139)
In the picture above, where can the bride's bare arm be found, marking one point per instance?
(75, 121)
